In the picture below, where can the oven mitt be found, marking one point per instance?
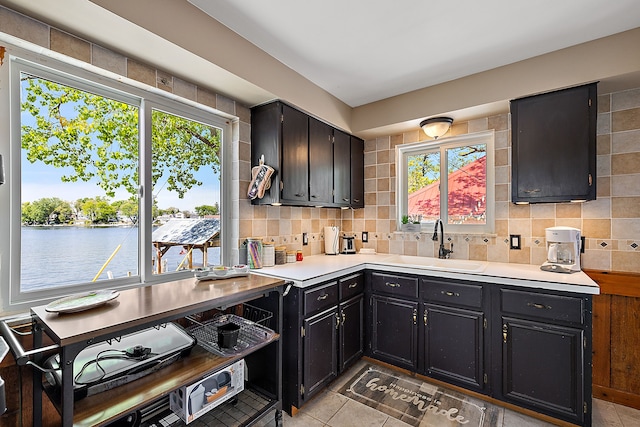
(260, 180)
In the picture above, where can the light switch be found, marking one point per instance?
(305, 239)
(365, 236)
(514, 241)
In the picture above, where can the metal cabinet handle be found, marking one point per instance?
(344, 317)
(504, 333)
(415, 316)
(345, 199)
(353, 285)
(313, 196)
(424, 317)
(299, 194)
(539, 306)
(323, 297)
(393, 285)
(337, 320)
(356, 200)
(450, 294)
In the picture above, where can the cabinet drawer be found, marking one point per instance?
(319, 298)
(542, 306)
(446, 292)
(394, 284)
(350, 286)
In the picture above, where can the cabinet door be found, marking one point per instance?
(357, 172)
(395, 331)
(295, 155)
(320, 162)
(554, 146)
(320, 355)
(341, 168)
(351, 331)
(542, 368)
(454, 345)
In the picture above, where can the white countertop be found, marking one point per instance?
(319, 268)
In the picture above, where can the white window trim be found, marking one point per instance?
(403, 150)
(23, 55)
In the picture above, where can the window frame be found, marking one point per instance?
(84, 76)
(441, 145)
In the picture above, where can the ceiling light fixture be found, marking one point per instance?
(435, 127)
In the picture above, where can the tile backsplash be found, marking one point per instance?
(610, 224)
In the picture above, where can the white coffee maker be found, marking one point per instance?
(563, 250)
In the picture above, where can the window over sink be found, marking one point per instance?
(450, 179)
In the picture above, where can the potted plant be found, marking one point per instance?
(411, 223)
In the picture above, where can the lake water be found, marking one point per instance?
(57, 256)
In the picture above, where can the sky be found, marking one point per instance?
(40, 180)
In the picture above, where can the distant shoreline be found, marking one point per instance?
(79, 225)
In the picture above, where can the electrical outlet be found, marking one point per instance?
(365, 236)
(305, 239)
(514, 241)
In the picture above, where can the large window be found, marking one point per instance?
(110, 185)
(450, 179)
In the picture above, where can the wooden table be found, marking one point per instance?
(137, 309)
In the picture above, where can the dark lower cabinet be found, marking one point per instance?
(395, 331)
(544, 342)
(454, 346)
(351, 331)
(319, 344)
(323, 335)
(525, 346)
(541, 366)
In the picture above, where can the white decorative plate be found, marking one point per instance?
(80, 302)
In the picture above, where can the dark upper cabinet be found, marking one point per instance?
(295, 152)
(281, 134)
(348, 170)
(341, 168)
(357, 172)
(315, 164)
(554, 146)
(320, 162)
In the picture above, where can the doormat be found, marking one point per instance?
(416, 402)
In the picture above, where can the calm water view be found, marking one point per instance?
(85, 250)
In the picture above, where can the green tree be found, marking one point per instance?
(99, 210)
(96, 138)
(168, 211)
(129, 208)
(422, 170)
(48, 210)
(207, 210)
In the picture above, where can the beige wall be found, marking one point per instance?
(611, 223)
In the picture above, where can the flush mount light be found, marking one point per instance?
(435, 127)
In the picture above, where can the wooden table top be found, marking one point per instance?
(151, 304)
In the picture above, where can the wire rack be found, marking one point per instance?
(251, 333)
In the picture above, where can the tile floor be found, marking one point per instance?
(331, 409)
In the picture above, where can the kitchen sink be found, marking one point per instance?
(437, 263)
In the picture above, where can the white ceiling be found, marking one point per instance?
(362, 51)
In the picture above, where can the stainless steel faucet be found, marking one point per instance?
(442, 252)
